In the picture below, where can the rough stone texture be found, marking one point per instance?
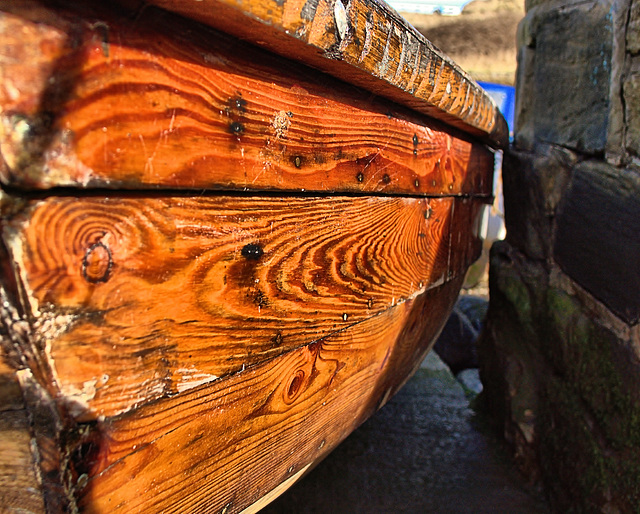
(508, 351)
(470, 381)
(633, 32)
(573, 47)
(560, 353)
(570, 71)
(631, 88)
(456, 345)
(598, 236)
(615, 152)
(533, 184)
(566, 388)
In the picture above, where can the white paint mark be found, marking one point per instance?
(192, 377)
(340, 15)
(366, 48)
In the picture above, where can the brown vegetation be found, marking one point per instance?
(482, 40)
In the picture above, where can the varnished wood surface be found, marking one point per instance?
(220, 447)
(193, 342)
(139, 298)
(93, 98)
(363, 42)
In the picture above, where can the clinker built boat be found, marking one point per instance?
(230, 232)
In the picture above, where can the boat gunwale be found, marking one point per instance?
(331, 40)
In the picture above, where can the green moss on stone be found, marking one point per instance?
(573, 465)
(581, 471)
(585, 357)
(546, 361)
(517, 294)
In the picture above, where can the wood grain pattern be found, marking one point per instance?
(20, 490)
(160, 102)
(363, 42)
(198, 341)
(220, 447)
(141, 298)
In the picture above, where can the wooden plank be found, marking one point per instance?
(92, 98)
(139, 298)
(20, 490)
(363, 42)
(220, 447)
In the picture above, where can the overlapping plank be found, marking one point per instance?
(20, 490)
(363, 42)
(138, 298)
(220, 447)
(157, 101)
(190, 352)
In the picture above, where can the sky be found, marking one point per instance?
(428, 6)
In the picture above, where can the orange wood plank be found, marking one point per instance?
(93, 99)
(220, 447)
(363, 42)
(142, 298)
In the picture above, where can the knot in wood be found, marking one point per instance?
(295, 386)
(97, 263)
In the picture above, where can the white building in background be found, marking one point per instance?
(449, 8)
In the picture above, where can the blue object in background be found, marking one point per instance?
(505, 99)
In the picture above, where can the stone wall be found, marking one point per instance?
(560, 355)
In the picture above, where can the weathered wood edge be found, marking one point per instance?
(20, 487)
(365, 43)
(27, 411)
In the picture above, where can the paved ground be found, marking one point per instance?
(424, 452)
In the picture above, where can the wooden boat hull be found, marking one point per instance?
(216, 262)
(139, 359)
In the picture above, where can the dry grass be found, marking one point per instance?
(482, 40)
(499, 67)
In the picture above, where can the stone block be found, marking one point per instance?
(524, 133)
(615, 152)
(591, 396)
(597, 239)
(533, 186)
(456, 345)
(633, 30)
(599, 366)
(583, 473)
(631, 88)
(573, 53)
(507, 350)
(565, 387)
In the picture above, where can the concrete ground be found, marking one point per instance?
(426, 451)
